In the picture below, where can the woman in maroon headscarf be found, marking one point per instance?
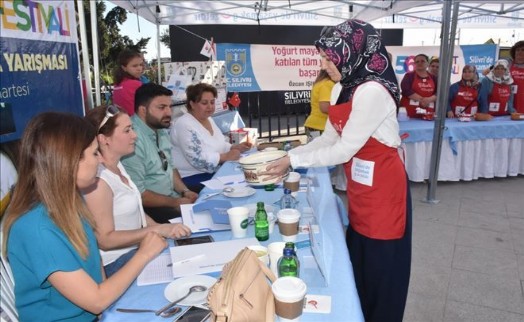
(362, 134)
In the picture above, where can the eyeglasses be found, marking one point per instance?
(111, 111)
(163, 158)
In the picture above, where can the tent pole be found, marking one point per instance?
(158, 53)
(94, 40)
(85, 54)
(447, 46)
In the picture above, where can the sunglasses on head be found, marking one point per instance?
(111, 111)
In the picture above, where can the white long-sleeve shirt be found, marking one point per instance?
(195, 150)
(373, 115)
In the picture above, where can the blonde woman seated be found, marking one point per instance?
(51, 246)
(114, 201)
(199, 147)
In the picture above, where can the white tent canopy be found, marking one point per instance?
(383, 13)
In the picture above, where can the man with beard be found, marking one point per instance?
(150, 166)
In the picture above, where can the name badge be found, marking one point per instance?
(494, 107)
(459, 110)
(432, 105)
(514, 88)
(362, 171)
(413, 102)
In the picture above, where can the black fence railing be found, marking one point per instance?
(267, 112)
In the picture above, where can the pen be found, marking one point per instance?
(187, 260)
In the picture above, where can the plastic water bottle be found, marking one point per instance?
(261, 223)
(288, 264)
(287, 146)
(287, 200)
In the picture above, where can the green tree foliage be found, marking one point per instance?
(164, 38)
(110, 41)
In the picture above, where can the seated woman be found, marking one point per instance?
(51, 246)
(199, 147)
(419, 88)
(463, 95)
(495, 96)
(115, 201)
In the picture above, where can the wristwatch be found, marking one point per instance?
(183, 192)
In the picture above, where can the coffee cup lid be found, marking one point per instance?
(289, 288)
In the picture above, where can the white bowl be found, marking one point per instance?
(255, 163)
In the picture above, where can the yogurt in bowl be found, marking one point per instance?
(255, 163)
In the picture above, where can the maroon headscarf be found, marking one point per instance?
(356, 49)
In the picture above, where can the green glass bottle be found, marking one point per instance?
(287, 264)
(261, 223)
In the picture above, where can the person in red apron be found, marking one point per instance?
(495, 95)
(463, 95)
(419, 89)
(362, 133)
(517, 73)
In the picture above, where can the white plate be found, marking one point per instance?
(240, 192)
(253, 208)
(179, 287)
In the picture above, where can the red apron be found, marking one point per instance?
(376, 185)
(424, 87)
(465, 102)
(517, 87)
(498, 99)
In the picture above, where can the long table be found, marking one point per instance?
(345, 304)
(470, 150)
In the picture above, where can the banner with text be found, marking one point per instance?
(253, 68)
(39, 67)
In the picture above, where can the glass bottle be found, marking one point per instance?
(261, 223)
(287, 200)
(287, 264)
(291, 246)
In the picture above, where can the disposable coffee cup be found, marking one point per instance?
(289, 295)
(275, 251)
(292, 181)
(238, 219)
(288, 220)
(262, 253)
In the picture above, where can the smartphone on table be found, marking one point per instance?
(194, 240)
(193, 314)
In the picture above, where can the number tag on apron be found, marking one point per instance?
(413, 102)
(362, 171)
(459, 110)
(514, 88)
(494, 107)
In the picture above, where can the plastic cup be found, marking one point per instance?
(288, 220)
(289, 295)
(262, 253)
(272, 219)
(238, 219)
(275, 251)
(292, 181)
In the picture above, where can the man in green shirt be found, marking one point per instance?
(150, 166)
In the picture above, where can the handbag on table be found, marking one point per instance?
(243, 291)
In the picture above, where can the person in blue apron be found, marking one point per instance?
(362, 133)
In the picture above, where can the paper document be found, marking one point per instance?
(200, 221)
(216, 254)
(156, 271)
